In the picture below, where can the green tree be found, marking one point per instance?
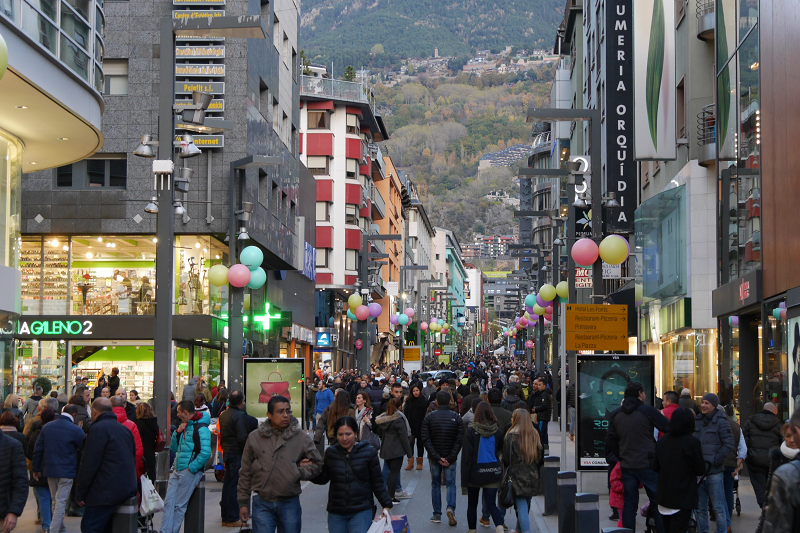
(376, 49)
(304, 63)
(349, 73)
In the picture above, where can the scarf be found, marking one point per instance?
(484, 430)
(787, 452)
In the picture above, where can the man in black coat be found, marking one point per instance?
(762, 432)
(541, 403)
(107, 474)
(232, 436)
(13, 481)
(474, 392)
(442, 434)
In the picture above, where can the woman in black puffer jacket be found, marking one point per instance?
(354, 473)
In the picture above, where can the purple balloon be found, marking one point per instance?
(542, 302)
(516, 320)
(432, 320)
(529, 310)
(375, 310)
(393, 320)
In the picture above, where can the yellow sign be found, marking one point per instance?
(187, 69)
(497, 273)
(411, 353)
(200, 52)
(597, 327)
(186, 14)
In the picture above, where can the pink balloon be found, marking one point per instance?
(238, 275)
(585, 252)
(409, 312)
(523, 322)
(362, 312)
(546, 322)
(423, 326)
(375, 310)
(548, 310)
(393, 319)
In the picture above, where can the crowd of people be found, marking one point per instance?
(485, 419)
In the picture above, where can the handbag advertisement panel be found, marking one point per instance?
(267, 377)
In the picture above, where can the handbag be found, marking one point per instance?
(505, 496)
(151, 500)
(160, 442)
(271, 388)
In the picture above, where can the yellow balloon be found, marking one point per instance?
(562, 289)
(354, 301)
(527, 315)
(547, 292)
(614, 249)
(538, 309)
(218, 275)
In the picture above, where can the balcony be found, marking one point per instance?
(379, 169)
(350, 91)
(378, 205)
(707, 135)
(706, 20)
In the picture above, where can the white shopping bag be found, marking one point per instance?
(151, 500)
(383, 525)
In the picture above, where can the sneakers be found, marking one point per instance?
(484, 522)
(238, 524)
(451, 517)
(395, 501)
(436, 518)
(402, 495)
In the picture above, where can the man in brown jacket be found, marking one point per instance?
(276, 458)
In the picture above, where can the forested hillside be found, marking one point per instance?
(438, 131)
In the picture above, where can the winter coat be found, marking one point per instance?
(512, 402)
(325, 427)
(13, 476)
(56, 451)
(524, 476)
(271, 463)
(30, 407)
(429, 390)
(394, 436)
(122, 418)
(616, 493)
(107, 475)
(469, 457)
(354, 478)
(182, 444)
(731, 459)
(415, 410)
(189, 390)
(502, 414)
(782, 508)
(679, 461)
(715, 437)
(442, 435)
(364, 420)
(232, 431)
(762, 432)
(571, 395)
(322, 401)
(130, 411)
(667, 412)
(467, 419)
(541, 403)
(466, 405)
(630, 433)
(148, 431)
(29, 448)
(113, 385)
(14, 434)
(689, 403)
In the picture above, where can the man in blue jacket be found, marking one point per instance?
(191, 443)
(56, 458)
(107, 475)
(324, 399)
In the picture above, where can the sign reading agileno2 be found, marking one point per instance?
(654, 88)
(55, 327)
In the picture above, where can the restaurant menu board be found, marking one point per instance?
(268, 377)
(602, 379)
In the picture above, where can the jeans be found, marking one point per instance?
(98, 518)
(59, 495)
(229, 504)
(571, 420)
(727, 480)
(490, 497)
(631, 477)
(350, 523)
(285, 516)
(385, 474)
(543, 432)
(678, 522)
(436, 486)
(42, 495)
(180, 488)
(711, 488)
(523, 520)
(394, 474)
(758, 478)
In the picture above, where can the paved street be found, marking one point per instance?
(417, 509)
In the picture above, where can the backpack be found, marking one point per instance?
(196, 444)
(488, 469)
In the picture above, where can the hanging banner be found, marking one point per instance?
(654, 85)
(621, 169)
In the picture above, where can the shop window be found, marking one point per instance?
(353, 124)
(318, 165)
(351, 214)
(351, 260)
(109, 171)
(323, 211)
(319, 120)
(115, 77)
(323, 254)
(352, 168)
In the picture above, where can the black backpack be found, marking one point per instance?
(196, 444)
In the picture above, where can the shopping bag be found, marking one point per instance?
(272, 388)
(160, 442)
(382, 525)
(400, 524)
(151, 501)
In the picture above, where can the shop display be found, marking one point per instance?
(45, 283)
(27, 368)
(265, 378)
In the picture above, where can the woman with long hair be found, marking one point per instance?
(354, 472)
(339, 408)
(522, 455)
(147, 423)
(391, 426)
(480, 466)
(98, 389)
(364, 419)
(414, 408)
(41, 487)
(12, 405)
(219, 403)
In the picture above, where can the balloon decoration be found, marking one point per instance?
(251, 257)
(614, 249)
(546, 322)
(354, 301)
(246, 302)
(548, 310)
(548, 292)
(538, 309)
(733, 321)
(423, 326)
(402, 319)
(523, 322)
(393, 319)
(359, 344)
(218, 275)
(530, 300)
(516, 320)
(330, 322)
(529, 344)
(585, 252)
(441, 322)
(362, 312)
(505, 329)
(562, 289)
(409, 312)
(350, 315)
(375, 310)
(239, 275)
(541, 302)
(527, 314)
(434, 320)
(257, 277)
(638, 293)
(783, 314)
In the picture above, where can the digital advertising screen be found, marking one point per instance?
(602, 379)
(268, 377)
(794, 363)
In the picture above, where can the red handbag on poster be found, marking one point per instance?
(274, 388)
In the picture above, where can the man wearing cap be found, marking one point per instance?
(712, 428)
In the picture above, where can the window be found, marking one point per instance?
(275, 198)
(263, 188)
(353, 125)
(294, 64)
(317, 164)
(264, 98)
(286, 130)
(323, 255)
(680, 101)
(351, 214)
(265, 10)
(276, 125)
(351, 260)
(352, 168)
(319, 120)
(116, 77)
(323, 211)
(437, 257)
(276, 32)
(285, 209)
(64, 176)
(110, 171)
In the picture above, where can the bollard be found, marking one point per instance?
(162, 473)
(196, 509)
(587, 513)
(126, 517)
(567, 487)
(551, 466)
(617, 530)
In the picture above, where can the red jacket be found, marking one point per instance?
(667, 411)
(616, 496)
(122, 418)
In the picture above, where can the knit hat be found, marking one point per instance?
(712, 398)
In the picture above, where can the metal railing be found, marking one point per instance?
(704, 7)
(343, 90)
(377, 199)
(707, 125)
